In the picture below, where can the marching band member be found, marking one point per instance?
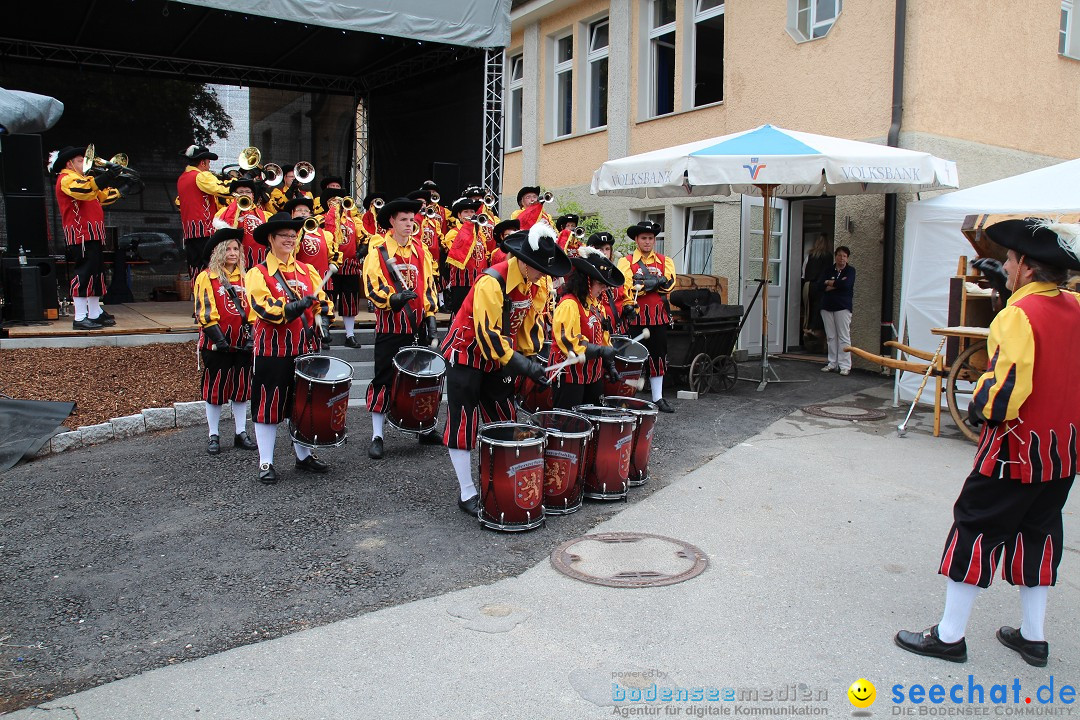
(613, 300)
(466, 254)
(352, 244)
(430, 228)
(497, 327)
(530, 209)
(369, 223)
(82, 200)
(286, 305)
(328, 182)
(317, 247)
(444, 211)
(287, 190)
(199, 193)
(221, 309)
(246, 219)
(501, 231)
(565, 225)
(578, 327)
(656, 276)
(399, 281)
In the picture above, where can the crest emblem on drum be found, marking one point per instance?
(426, 405)
(337, 415)
(556, 477)
(528, 480)
(624, 446)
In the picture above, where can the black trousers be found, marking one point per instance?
(566, 394)
(656, 344)
(470, 394)
(386, 346)
(88, 275)
(195, 252)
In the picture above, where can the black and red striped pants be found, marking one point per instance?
(472, 395)
(226, 376)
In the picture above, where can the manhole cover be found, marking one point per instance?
(844, 412)
(628, 560)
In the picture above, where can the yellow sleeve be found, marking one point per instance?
(277, 200)
(378, 287)
(206, 310)
(514, 215)
(264, 306)
(530, 339)
(566, 328)
(1006, 384)
(322, 305)
(79, 187)
(669, 273)
(628, 284)
(487, 320)
(209, 183)
(448, 239)
(431, 294)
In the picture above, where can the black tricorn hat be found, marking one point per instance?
(645, 226)
(394, 207)
(563, 220)
(421, 194)
(296, 202)
(195, 153)
(329, 193)
(57, 163)
(538, 247)
(505, 225)
(371, 197)
(535, 189)
(464, 203)
(600, 239)
(593, 264)
(221, 235)
(278, 221)
(242, 182)
(429, 185)
(472, 191)
(1054, 244)
(288, 168)
(327, 179)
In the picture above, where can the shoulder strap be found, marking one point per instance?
(385, 256)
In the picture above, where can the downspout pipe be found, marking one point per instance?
(888, 260)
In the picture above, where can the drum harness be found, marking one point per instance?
(309, 332)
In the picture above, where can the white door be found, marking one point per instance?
(794, 255)
(750, 270)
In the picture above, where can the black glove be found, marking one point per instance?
(216, 337)
(296, 308)
(611, 371)
(401, 299)
(975, 416)
(431, 330)
(650, 282)
(518, 364)
(324, 325)
(605, 323)
(629, 312)
(599, 351)
(666, 282)
(995, 274)
(105, 179)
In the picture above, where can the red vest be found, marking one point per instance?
(83, 220)
(569, 242)
(414, 271)
(230, 317)
(312, 249)
(196, 207)
(652, 310)
(287, 339)
(591, 370)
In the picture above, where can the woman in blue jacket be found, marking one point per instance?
(837, 286)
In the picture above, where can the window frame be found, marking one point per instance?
(698, 16)
(592, 57)
(1068, 45)
(657, 216)
(813, 24)
(652, 47)
(693, 236)
(512, 86)
(556, 70)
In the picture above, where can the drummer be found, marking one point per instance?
(399, 281)
(577, 328)
(317, 247)
(286, 301)
(617, 311)
(497, 328)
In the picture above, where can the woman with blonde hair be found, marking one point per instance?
(221, 309)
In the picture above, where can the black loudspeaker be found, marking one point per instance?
(50, 282)
(27, 225)
(447, 177)
(22, 165)
(22, 293)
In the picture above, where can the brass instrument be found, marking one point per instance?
(489, 198)
(435, 197)
(303, 172)
(378, 203)
(272, 174)
(244, 203)
(348, 204)
(546, 197)
(310, 225)
(249, 159)
(132, 182)
(482, 220)
(430, 212)
(578, 232)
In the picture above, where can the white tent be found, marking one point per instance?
(933, 245)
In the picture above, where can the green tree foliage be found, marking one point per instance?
(594, 222)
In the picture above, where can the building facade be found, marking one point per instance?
(995, 88)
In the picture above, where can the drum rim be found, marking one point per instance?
(648, 411)
(409, 348)
(322, 381)
(628, 417)
(510, 443)
(629, 341)
(575, 435)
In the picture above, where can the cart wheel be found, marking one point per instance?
(967, 367)
(701, 374)
(725, 373)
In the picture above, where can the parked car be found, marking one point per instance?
(154, 247)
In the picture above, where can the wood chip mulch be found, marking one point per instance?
(104, 382)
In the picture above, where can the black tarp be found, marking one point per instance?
(25, 427)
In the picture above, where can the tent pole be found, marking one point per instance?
(766, 221)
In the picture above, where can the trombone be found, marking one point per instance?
(303, 172)
(118, 163)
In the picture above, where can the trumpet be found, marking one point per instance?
(482, 220)
(546, 197)
(310, 225)
(304, 172)
(578, 232)
(378, 203)
(244, 203)
(272, 174)
(348, 204)
(489, 198)
(430, 212)
(435, 197)
(91, 162)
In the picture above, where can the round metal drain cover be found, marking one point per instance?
(844, 412)
(628, 560)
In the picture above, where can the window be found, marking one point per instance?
(516, 74)
(1063, 30)
(708, 52)
(812, 19)
(661, 57)
(597, 71)
(699, 240)
(563, 71)
(657, 217)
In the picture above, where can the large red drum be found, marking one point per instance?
(607, 475)
(568, 436)
(630, 359)
(646, 413)
(416, 392)
(320, 401)
(532, 397)
(511, 476)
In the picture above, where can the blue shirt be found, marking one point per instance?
(840, 297)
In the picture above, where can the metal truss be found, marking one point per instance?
(362, 171)
(431, 60)
(494, 61)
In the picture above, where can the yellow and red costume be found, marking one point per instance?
(82, 215)
(247, 220)
(198, 192)
(226, 370)
(652, 305)
(351, 244)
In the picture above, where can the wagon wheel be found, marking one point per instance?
(725, 373)
(967, 367)
(700, 375)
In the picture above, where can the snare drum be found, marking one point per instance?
(608, 472)
(416, 393)
(532, 397)
(645, 412)
(320, 401)
(630, 359)
(511, 476)
(568, 436)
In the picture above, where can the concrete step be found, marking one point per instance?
(365, 353)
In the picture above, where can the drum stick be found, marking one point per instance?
(643, 336)
(572, 359)
(325, 279)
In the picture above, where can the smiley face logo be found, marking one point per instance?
(862, 693)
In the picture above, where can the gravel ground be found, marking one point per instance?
(104, 382)
(136, 554)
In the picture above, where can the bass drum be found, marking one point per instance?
(511, 476)
(320, 401)
(630, 359)
(568, 438)
(416, 392)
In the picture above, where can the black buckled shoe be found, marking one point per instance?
(86, 324)
(106, 316)
(312, 463)
(429, 438)
(244, 442)
(1034, 652)
(664, 406)
(375, 452)
(103, 320)
(267, 475)
(350, 342)
(470, 506)
(929, 644)
(213, 445)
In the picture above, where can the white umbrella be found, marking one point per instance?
(773, 162)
